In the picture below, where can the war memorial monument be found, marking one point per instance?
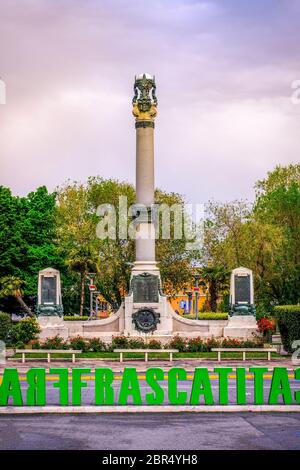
(145, 311)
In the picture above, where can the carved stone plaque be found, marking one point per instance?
(145, 319)
(145, 288)
(49, 290)
(242, 288)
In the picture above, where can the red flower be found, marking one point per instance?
(265, 325)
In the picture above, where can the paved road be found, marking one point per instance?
(186, 431)
(190, 431)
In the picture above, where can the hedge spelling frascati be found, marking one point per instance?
(35, 391)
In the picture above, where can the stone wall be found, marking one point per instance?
(115, 325)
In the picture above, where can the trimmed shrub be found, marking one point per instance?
(212, 343)
(36, 344)
(78, 343)
(237, 343)
(136, 343)
(96, 345)
(208, 316)
(5, 325)
(119, 342)
(77, 318)
(288, 319)
(257, 343)
(231, 343)
(177, 343)
(263, 311)
(154, 344)
(195, 345)
(52, 343)
(24, 331)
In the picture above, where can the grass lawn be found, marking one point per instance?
(154, 355)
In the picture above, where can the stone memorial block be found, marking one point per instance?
(49, 293)
(241, 292)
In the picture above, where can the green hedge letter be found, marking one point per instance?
(10, 387)
(297, 393)
(152, 375)
(280, 386)
(258, 384)
(130, 386)
(241, 397)
(104, 392)
(36, 391)
(77, 384)
(175, 397)
(62, 384)
(201, 386)
(223, 383)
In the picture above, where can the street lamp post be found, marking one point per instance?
(190, 300)
(196, 290)
(92, 288)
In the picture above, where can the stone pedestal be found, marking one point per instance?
(140, 267)
(52, 326)
(241, 327)
(163, 327)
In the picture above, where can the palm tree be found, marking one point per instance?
(214, 278)
(12, 286)
(81, 260)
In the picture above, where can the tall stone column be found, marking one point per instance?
(144, 111)
(146, 308)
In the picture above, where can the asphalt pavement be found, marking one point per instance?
(152, 431)
(183, 431)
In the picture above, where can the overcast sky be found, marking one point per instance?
(223, 69)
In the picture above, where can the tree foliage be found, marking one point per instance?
(264, 237)
(27, 241)
(111, 258)
(60, 230)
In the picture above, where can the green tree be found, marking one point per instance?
(264, 237)
(10, 239)
(76, 238)
(27, 239)
(223, 233)
(11, 286)
(278, 204)
(38, 233)
(111, 257)
(215, 279)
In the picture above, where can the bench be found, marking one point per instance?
(244, 351)
(146, 352)
(48, 352)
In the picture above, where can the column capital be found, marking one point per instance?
(144, 101)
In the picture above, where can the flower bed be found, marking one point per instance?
(187, 345)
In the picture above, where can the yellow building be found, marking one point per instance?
(185, 302)
(103, 307)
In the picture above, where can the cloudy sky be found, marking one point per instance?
(224, 72)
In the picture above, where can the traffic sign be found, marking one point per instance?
(92, 287)
(196, 289)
